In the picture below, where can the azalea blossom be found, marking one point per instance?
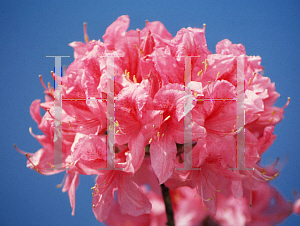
(152, 98)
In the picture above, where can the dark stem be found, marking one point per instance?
(168, 204)
(208, 221)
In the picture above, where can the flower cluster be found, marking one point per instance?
(150, 96)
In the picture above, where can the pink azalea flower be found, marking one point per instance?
(130, 196)
(187, 210)
(136, 120)
(269, 206)
(89, 154)
(149, 101)
(169, 99)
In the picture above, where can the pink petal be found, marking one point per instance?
(137, 150)
(237, 189)
(74, 177)
(157, 28)
(102, 202)
(163, 154)
(166, 66)
(79, 49)
(226, 47)
(115, 31)
(35, 111)
(131, 198)
(117, 217)
(207, 190)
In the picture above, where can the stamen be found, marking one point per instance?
(30, 131)
(208, 187)
(204, 25)
(275, 175)
(199, 73)
(42, 82)
(251, 182)
(202, 199)
(34, 166)
(52, 74)
(52, 166)
(142, 52)
(263, 175)
(167, 118)
(64, 71)
(69, 164)
(150, 141)
(146, 23)
(240, 129)
(48, 110)
(22, 152)
(134, 79)
(139, 34)
(86, 37)
(55, 77)
(63, 181)
(287, 103)
(218, 74)
(211, 198)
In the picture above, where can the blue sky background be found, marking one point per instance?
(32, 29)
